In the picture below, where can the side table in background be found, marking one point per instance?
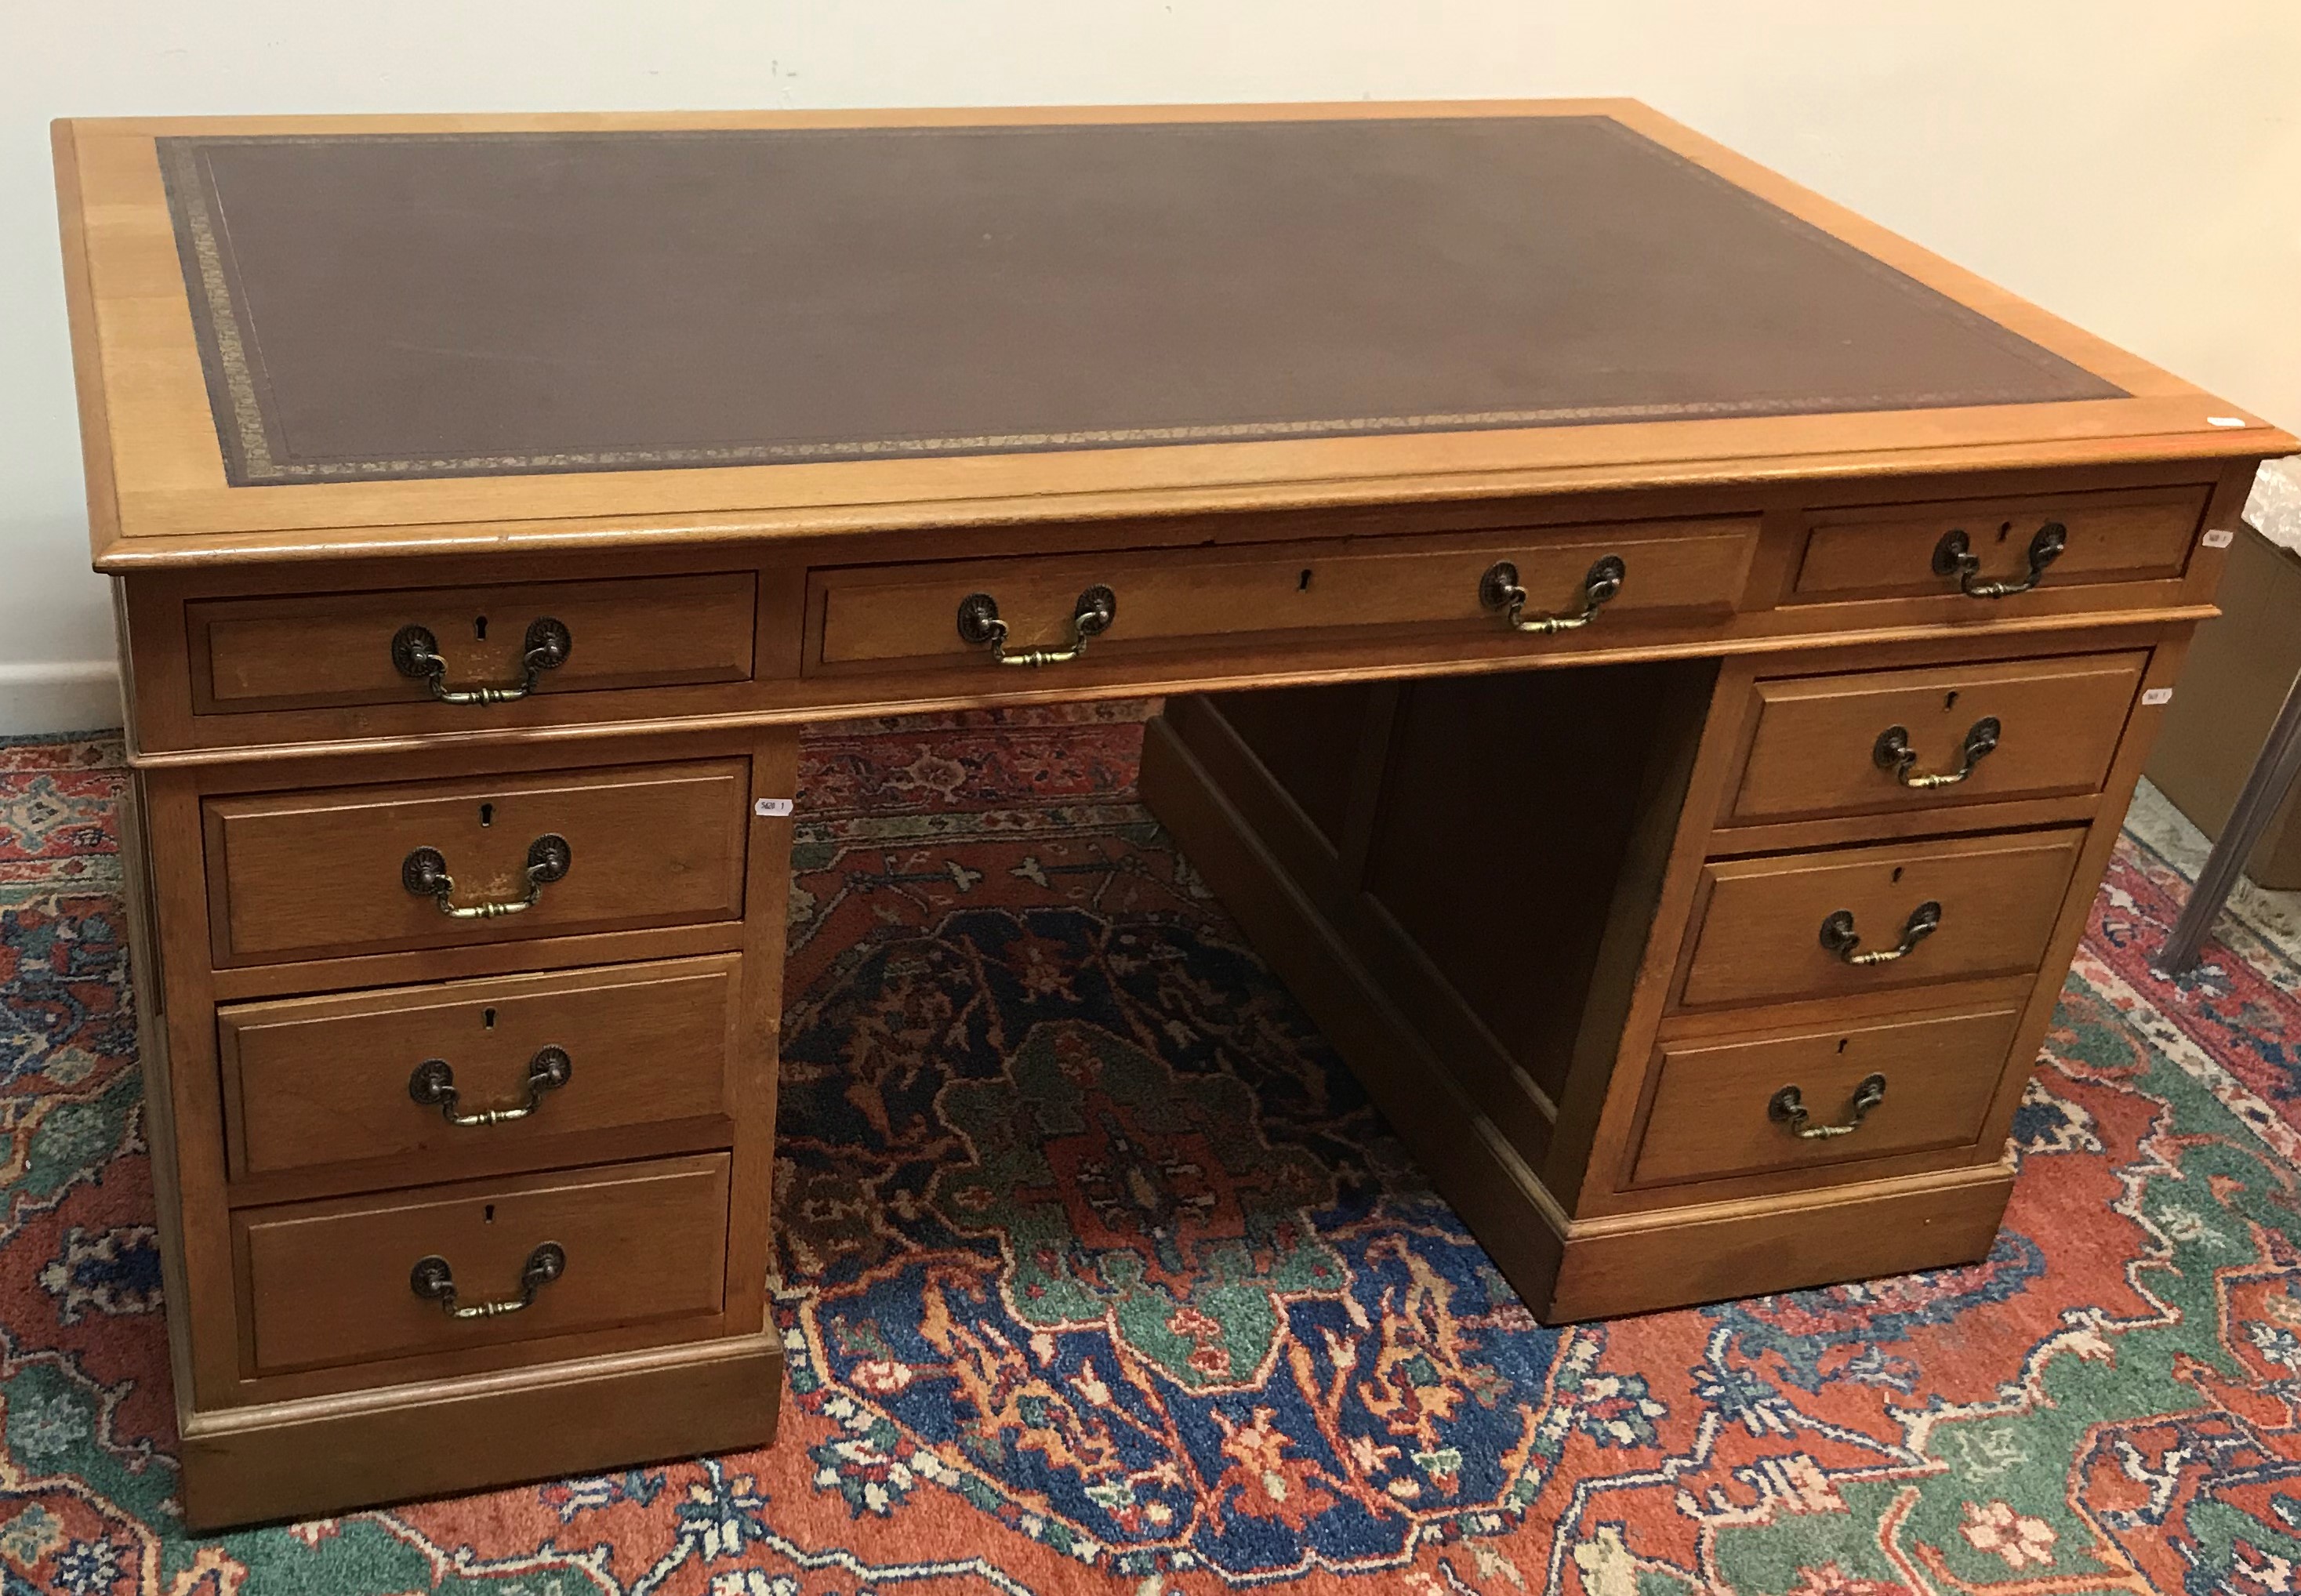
(2243, 684)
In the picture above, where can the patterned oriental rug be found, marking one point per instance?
(1098, 1274)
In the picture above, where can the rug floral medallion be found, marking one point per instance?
(1097, 1272)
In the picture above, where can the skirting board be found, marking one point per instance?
(45, 698)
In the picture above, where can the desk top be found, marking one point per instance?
(288, 330)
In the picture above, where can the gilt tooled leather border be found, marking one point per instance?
(256, 454)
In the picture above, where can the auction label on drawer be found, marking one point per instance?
(772, 808)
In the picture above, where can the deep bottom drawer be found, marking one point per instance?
(1722, 1108)
(335, 1282)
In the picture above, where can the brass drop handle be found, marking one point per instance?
(1788, 1108)
(424, 872)
(416, 652)
(980, 627)
(1838, 935)
(1894, 753)
(434, 1085)
(1953, 555)
(1499, 589)
(432, 1280)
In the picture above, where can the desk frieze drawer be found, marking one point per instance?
(1781, 927)
(1985, 551)
(451, 1268)
(504, 1067)
(1888, 741)
(1753, 1105)
(315, 874)
(1031, 611)
(466, 647)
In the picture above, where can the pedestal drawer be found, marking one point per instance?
(877, 617)
(437, 864)
(505, 1065)
(1738, 1107)
(369, 1278)
(1888, 741)
(1800, 925)
(312, 650)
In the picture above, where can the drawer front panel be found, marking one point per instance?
(1714, 1102)
(1762, 932)
(1825, 745)
(877, 616)
(314, 874)
(312, 650)
(330, 1283)
(311, 1082)
(1889, 552)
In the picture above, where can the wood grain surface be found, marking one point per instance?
(315, 1082)
(1757, 936)
(329, 1283)
(1813, 745)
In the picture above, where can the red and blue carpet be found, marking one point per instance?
(1098, 1274)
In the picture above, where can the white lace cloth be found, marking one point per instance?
(2275, 507)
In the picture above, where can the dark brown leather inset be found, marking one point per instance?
(379, 306)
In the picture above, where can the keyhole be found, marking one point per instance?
(1898, 872)
(1950, 701)
(492, 1213)
(480, 628)
(1303, 585)
(2002, 529)
(487, 1019)
(1841, 1043)
(486, 814)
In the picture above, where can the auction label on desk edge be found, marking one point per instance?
(772, 808)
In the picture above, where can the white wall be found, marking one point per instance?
(2132, 164)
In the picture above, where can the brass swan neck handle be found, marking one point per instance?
(1954, 556)
(1499, 589)
(1788, 1108)
(415, 654)
(424, 872)
(1838, 935)
(434, 1280)
(980, 627)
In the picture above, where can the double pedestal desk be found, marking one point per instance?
(1655, 663)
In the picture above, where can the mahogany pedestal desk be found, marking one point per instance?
(1655, 662)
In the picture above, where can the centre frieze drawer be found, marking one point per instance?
(959, 613)
(505, 1066)
(313, 874)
